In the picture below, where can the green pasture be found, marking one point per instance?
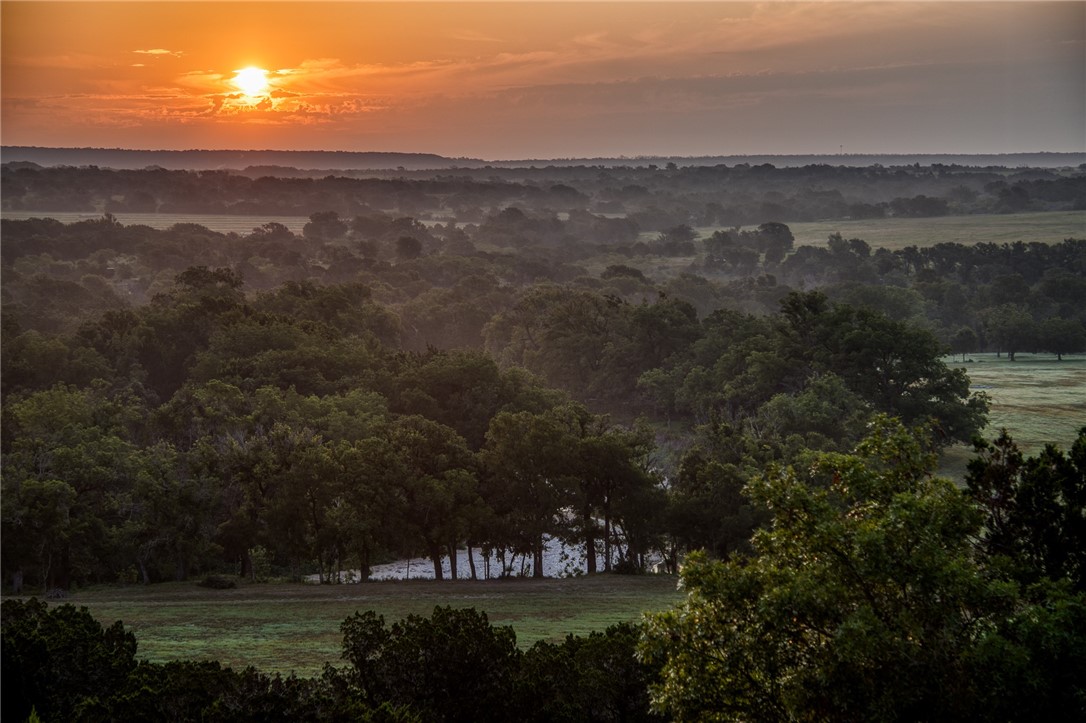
(897, 233)
(295, 627)
(1037, 398)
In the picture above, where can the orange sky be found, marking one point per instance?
(519, 80)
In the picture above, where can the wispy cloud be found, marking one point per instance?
(160, 51)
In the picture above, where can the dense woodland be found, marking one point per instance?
(494, 363)
(181, 395)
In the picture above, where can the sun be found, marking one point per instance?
(251, 81)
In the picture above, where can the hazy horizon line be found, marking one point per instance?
(637, 156)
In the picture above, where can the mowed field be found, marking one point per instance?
(295, 627)
(898, 233)
(1038, 399)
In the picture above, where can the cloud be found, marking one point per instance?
(160, 52)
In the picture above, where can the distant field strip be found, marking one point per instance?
(281, 627)
(891, 233)
(897, 233)
(216, 222)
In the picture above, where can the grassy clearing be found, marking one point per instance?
(1038, 399)
(897, 233)
(281, 627)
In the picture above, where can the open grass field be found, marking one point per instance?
(285, 627)
(897, 233)
(1038, 399)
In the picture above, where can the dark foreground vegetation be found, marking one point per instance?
(451, 666)
(876, 592)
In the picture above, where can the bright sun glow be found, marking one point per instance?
(251, 81)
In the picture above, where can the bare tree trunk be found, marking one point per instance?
(537, 558)
(435, 556)
(471, 562)
(453, 561)
(364, 563)
(589, 539)
(607, 534)
(64, 578)
(143, 572)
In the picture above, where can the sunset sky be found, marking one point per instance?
(548, 79)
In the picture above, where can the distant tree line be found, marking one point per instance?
(653, 198)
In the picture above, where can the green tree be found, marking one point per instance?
(964, 341)
(451, 666)
(429, 473)
(1061, 336)
(526, 479)
(895, 366)
(55, 660)
(325, 226)
(69, 447)
(1011, 328)
(1035, 508)
(707, 509)
(864, 600)
(592, 678)
(168, 516)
